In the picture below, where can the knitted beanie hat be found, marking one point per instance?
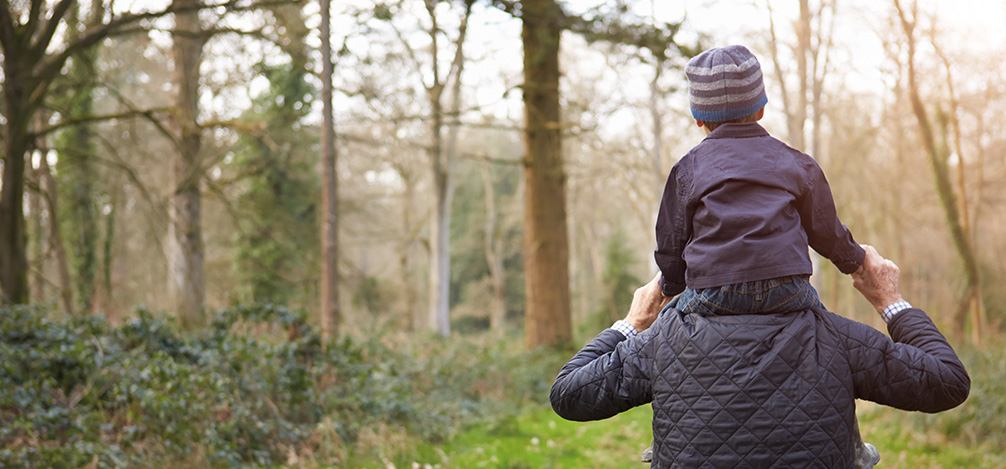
(725, 84)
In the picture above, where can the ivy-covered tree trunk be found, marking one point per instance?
(75, 171)
(547, 319)
(185, 259)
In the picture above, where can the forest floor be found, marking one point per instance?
(538, 438)
(535, 437)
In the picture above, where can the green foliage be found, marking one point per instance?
(468, 236)
(277, 206)
(251, 389)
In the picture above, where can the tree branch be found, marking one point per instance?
(97, 118)
(6, 27)
(37, 50)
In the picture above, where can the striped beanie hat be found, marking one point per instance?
(725, 84)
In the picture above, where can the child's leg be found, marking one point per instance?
(776, 295)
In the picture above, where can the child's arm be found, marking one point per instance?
(673, 231)
(825, 232)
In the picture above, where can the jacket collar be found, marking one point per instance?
(738, 130)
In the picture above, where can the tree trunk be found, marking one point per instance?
(443, 156)
(36, 236)
(944, 187)
(330, 312)
(494, 255)
(414, 317)
(546, 249)
(186, 247)
(75, 172)
(13, 258)
(56, 237)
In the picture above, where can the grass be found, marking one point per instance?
(537, 438)
(906, 441)
(970, 436)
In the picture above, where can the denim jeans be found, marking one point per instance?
(775, 295)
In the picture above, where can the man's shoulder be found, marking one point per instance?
(827, 325)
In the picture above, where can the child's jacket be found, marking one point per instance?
(743, 206)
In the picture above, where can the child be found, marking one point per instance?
(745, 200)
(739, 209)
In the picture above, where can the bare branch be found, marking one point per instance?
(37, 50)
(6, 26)
(97, 118)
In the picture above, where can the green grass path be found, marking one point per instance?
(538, 439)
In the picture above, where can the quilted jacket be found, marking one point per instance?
(771, 390)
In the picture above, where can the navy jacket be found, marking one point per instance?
(743, 206)
(763, 390)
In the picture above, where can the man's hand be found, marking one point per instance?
(647, 302)
(878, 280)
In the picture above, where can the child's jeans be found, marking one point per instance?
(775, 295)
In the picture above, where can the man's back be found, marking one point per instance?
(760, 390)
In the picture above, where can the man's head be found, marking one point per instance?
(725, 85)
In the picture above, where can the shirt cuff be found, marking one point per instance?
(894, 309)
(625, 328)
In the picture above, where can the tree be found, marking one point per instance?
(546, 240)
(442, 156)
(330, 316)
(76, 170)
(278, 202)
(937, 153)
(185, 258)
(31, 62)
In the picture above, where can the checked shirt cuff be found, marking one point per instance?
(895, 308)
(625, 328)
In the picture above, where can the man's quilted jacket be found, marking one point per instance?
(773, 390)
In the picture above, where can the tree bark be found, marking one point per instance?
(330, 312)
(18, 112)
(186, 246)
(546, 249)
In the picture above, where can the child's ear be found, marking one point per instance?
(761, 113)
(702, 123)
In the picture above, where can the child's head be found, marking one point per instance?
(725, 85)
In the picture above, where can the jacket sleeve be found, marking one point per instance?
(825, 232)
(673, 231)
(608, 376)
(918, 370)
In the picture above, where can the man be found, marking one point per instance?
(760, 390)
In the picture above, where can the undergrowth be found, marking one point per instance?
(253, 389)
(256, 388)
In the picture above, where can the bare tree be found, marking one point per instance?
(937, 155)
(30, 65)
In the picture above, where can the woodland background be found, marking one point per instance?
(494, 174)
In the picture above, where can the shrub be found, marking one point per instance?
(254, 388)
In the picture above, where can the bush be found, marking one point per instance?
(255, 388)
